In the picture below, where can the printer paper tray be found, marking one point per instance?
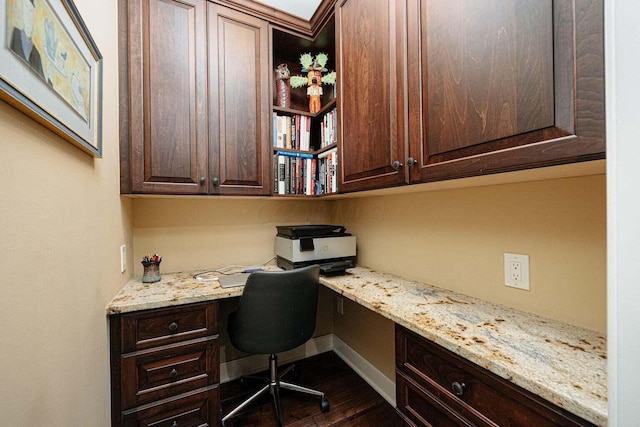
(327, 266)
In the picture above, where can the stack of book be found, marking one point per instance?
(304, 173)
(295, 173)
(292, 132)
(328, 129)
(327, 171)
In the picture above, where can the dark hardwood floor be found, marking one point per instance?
(352, 401)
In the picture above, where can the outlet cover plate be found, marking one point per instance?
(123, 258)
(516, 271)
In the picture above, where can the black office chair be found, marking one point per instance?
(276, 313)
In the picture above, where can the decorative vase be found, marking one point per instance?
(283, 89)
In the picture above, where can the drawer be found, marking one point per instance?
(198, 409)
(153, 328)
(419, 407)
(154, 375)
(480, 394)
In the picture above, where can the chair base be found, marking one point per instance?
(273, 386)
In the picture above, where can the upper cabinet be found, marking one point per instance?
(164, 144)
(370, 45)
(195, 99)
(499, 86)
(239, 102)
(491, 87)
(427, 90)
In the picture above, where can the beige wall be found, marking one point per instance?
(368, 333)
(456, 239)
(213, 232)
(61, 225)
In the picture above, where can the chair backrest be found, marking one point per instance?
(276, 312)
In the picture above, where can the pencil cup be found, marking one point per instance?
(151, 272)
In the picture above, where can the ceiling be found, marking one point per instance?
(302, 8)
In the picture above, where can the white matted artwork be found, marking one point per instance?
(51, 69)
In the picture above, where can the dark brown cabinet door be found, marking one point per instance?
(165, 149)
(370, 45)
(503, 85)
(238, 102)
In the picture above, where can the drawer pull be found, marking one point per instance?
(175, 424)
(458, 388)
(173, 327)
(173, 373)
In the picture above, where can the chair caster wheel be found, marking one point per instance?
(324, 405)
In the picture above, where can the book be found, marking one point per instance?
(287, 131)
(307, 176)
(287, 175)
(280, 132)
(274, 129)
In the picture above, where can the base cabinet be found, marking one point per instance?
(165, 367)
(435, 387)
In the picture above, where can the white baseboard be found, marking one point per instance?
(376, 379)
(234, 369)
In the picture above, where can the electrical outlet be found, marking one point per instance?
(340, 305)
(516, 271)
(123, 258)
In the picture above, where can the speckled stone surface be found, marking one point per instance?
(172, 289)
(562, 363)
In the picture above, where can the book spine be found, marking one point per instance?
(334, 172)
(307, 168)
(280, 133)
(314, 176)
(281, 173)
(275, 173)
(287, 175)
(274, 129)
(287, 131)
(294, 154)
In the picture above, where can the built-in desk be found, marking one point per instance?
(563, 364)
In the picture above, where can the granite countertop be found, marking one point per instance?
(564, 364)
(172, 289)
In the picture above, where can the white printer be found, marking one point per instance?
(329, 246)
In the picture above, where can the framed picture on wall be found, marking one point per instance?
(51, 69)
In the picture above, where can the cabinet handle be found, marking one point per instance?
(411, 162)
(173, 327)
(173, 373)
(458, 388)
(396, 165)
(215, 181)
(202, 180)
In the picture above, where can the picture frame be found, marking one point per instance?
(51, 69)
